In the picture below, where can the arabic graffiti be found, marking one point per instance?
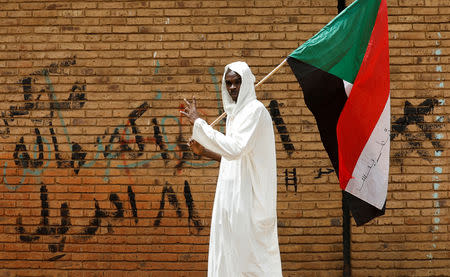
(321, 172)
(61, 231)
(51, 134)
(33, 98)
(290, 178)
(125, 142)
(374, 162)
(45, 228)
(415, 116)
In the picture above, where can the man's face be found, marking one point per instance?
(233, 82)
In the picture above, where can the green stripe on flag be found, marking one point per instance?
(340, 46)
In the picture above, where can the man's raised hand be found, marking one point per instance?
(190, 111)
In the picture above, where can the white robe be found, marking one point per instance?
(244, 237)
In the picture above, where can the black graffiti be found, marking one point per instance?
(6, 131)
(132, 199)
(45, 228)
(77, 160)
(173, 201)
(65, 219)
(172, 197)
(132, 117)
(21, 230)
(159, 140)
(290, 178)
(21, 156)
(61, 163)
(185, 151)
(26, 87)
(57, 257)
(415, 115)
(96, 222)
(181, 152)
(119, 135)
(78, 157)
(75, 100)
(23, 159)
(114, 198)
(324, 172)
(56, 67)
(118, 144)
(192, 213)
(281, 127)
(77, 97)
(60, 231)
(118, 138)
(33, 100)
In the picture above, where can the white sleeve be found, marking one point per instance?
(232, 146)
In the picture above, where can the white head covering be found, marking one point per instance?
(246, 92)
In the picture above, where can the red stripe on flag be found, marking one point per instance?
(367, 99)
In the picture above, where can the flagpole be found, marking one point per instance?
(257, 85)
(346, 225)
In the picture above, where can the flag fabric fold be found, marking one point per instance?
(344, 74)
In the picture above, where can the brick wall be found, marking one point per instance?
(97, 179)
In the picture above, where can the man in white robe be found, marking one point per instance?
(244, 237)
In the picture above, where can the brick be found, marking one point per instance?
(124, 29)
(97, 13)
(177, 12)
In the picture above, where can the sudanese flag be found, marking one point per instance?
(344, 74)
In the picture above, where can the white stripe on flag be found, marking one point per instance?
(348, 87)
(370, 175)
